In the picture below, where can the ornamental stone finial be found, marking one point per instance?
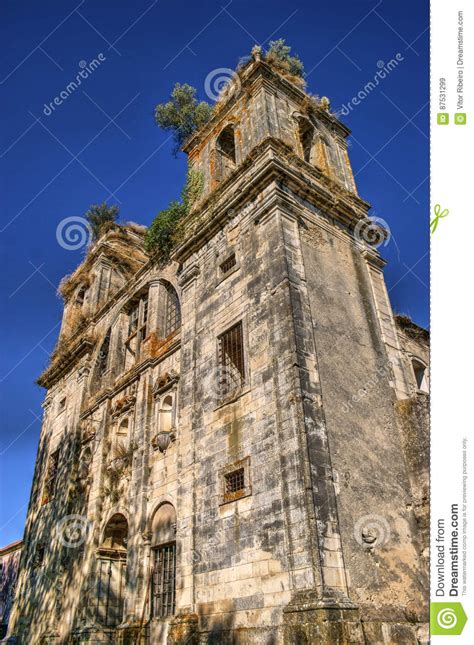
(256, 52)
(325, 103)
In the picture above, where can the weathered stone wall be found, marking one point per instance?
(9, 568)
(322, 545)
(241, 550)
(385, 576)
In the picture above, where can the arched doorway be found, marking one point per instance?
(112, 562)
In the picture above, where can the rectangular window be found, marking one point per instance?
(133, 321)
(163, 584)
(228, 264)
(38, 557)
(234, 481)
(137, 325)
(51, 476)
(62, 405)
(231, 360)
(173, 312)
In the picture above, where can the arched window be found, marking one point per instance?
(80, 296)
(173, 311)
(306, 136)
(111, 572)
(226, 144)
(165, 421)
(421, 375)
(103, 357)
(163, 582)
(84, 465)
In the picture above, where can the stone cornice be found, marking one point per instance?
(373, 258)
(271, 161)
(100, 252)
(64, 363)
(129, 377)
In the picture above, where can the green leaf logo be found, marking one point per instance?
(447, 618)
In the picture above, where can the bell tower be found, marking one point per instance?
(323, 367)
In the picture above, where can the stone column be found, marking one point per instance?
(383, 311)
(321, 610)
(186, 448)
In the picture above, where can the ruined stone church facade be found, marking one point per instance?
(234, 445)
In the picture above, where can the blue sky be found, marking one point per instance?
(101, 144)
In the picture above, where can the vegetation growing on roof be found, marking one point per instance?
(183, 114)
(164, 231)
(101, 218)
(279, 54)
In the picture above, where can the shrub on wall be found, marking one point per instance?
(183, 114)
(164, 231)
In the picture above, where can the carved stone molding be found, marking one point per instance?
(165, 381)
(123, 404)
(163, 440)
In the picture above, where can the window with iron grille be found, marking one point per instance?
(231, 360)
(51, 476)
(234, 484)
(234, 481)
(173, 311)
(228, 264)
(163, 583)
